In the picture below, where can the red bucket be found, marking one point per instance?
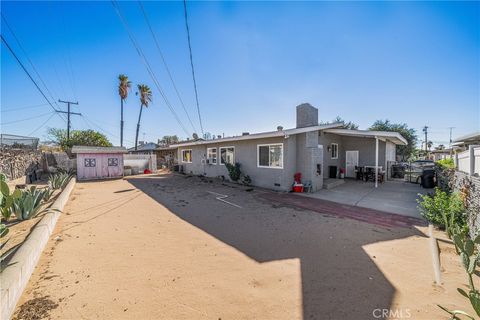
(298, 188)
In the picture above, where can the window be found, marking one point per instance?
(270, 155)
(227, 155)
(113, 162)
(187, 156)
(212, 155)
(90, 162)
(334, 151)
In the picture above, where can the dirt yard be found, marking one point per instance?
(163, 247)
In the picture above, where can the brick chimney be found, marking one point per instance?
(307, 115)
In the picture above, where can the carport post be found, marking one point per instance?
(376, 162)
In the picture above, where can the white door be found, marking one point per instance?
(351, 161)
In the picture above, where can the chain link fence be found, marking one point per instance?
(18, 142)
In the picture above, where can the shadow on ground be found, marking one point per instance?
(339, 280)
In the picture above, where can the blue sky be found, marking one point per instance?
(412, 62)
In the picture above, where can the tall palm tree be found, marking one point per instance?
(145, 99)
(123, 87)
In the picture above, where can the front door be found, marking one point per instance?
(351, 161)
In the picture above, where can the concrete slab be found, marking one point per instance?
(392, 196)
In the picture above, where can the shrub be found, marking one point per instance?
(234, 171)
(447, 163)
(443, 210)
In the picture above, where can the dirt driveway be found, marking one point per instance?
(164, 247)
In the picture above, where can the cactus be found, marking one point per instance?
(7, 198)
(470, 257)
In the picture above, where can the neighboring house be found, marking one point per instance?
(272, 158)
(436, 155)
(144, 148)
(99, 162)
(472, 139)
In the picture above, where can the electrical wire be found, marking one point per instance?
(165, 64)
(43, 124)
(28, 74)
(147, 66)
(26, 119)
(28, 59)
(191, 64)
(23, 108)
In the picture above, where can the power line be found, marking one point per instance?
(147, 65)
(165, 64)
(41, 126)
(191, 63)
(28, 74)
(25, 119)
(28, 58)
(23, 108)
(68, 112)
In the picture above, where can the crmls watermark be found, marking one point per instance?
(391, 313)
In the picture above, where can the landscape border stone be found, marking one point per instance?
(15, 277)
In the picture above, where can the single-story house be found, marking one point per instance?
(144, 148)
(271, 159)
(462, 143)
(442, 154)
(99, 162)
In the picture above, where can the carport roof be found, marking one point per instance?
(394, 137)
(89, 149)
(271, 134)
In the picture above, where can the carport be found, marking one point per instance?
(391, 139)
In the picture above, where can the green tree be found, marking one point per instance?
(345, 125)
(145, 99)
(168, 140)
(78, 138)
(409, 134)
(123, 87)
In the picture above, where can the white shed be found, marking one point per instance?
(99, 162)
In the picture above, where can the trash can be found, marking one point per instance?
(428, 178)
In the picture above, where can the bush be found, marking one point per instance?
(234, 171)
(447, 163)
(443, 210)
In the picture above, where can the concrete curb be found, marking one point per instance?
(14, 279)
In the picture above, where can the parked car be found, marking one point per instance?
(414, 170)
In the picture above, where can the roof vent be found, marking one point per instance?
(245, 133)
(279, 128)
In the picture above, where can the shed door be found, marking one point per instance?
(351, 161)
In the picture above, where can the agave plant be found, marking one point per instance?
(7, 198)
(58, 180)
(27, 206)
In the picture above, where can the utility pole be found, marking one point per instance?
(450, 143)
(68, 115)
(425, 130)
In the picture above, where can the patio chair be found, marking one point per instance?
(307, 186)
(359, 173)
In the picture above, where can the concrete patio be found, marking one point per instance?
(397, 197)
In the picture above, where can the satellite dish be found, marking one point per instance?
(195, 136)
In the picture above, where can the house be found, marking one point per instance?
(144, 148)
(271, 159)
(463, 142)
(99, 162)
(442, 154)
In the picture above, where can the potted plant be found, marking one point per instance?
(342, 173)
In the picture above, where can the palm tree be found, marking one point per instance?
(145, 99)
(123, 87)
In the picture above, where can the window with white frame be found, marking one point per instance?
(212, 155)
(334, 151)
(270, 155)
(187, 156)
(227, 155)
